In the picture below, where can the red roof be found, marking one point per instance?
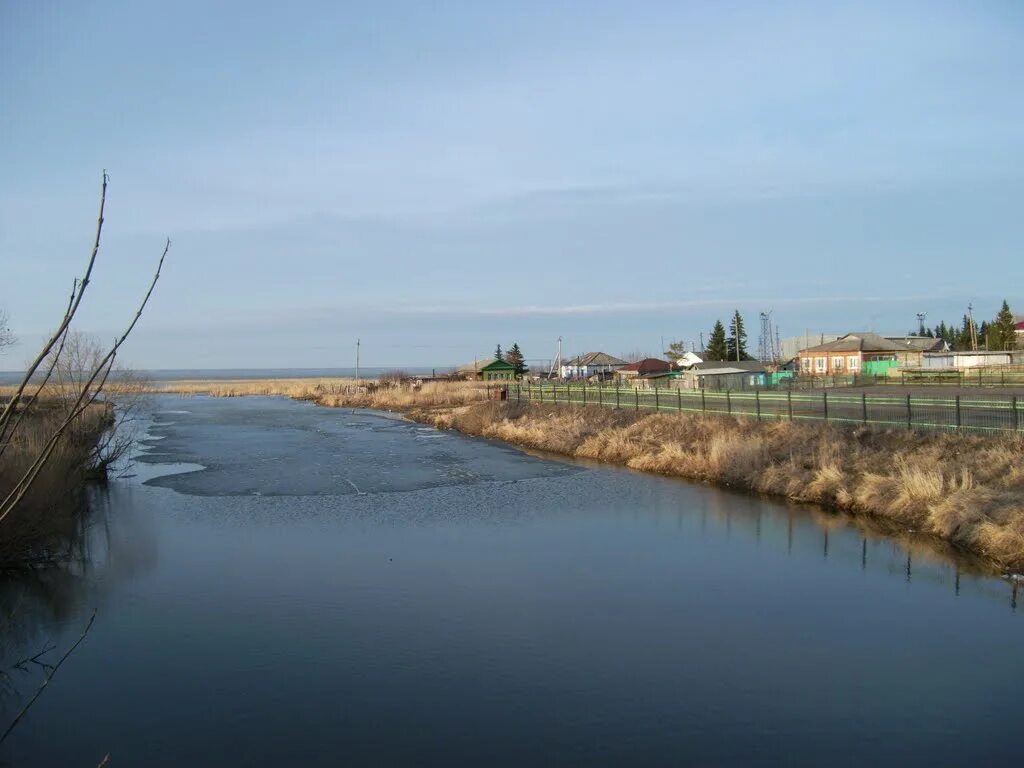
(648, 365)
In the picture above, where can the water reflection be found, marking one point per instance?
(42, 606)
(492, 607)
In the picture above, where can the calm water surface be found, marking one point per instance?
(282, 584)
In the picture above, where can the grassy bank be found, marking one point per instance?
(965, 489)
(339, 392)
(40, 528)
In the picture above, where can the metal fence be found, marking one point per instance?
(995, 413)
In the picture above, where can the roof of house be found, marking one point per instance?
(498, 365)
(648, 365)
(735, 366)
(856, 342)
(477, 366)
(594, 358)
(688, 359)
(919, 343)
(726, 370)
(1018, 322)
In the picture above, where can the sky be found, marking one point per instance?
(438, 178)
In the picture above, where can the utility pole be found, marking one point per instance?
(973, 328)
(357, 360)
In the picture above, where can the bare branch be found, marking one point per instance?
(48, 678)
(68, 316)
(21, 487)
(32, 400)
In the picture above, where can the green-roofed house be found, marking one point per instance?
(498, 370)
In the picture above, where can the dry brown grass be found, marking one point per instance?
(340, 392)
(963, 488)
(41, 526)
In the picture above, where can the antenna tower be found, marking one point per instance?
(767, 344)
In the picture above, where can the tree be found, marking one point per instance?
(1003, 333)
(7, 338)
(676, 350)
(717, 348)
(515, 357)
(736, 344)
(28, 454)
(497, 353)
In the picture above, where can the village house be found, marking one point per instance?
(640, 373)
(722, 374)
(488, 369)
(851, 354)
(591, 364)
(910, 350)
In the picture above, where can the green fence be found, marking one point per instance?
(957, 412)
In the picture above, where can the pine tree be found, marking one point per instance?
(963, 337)
(736, 344)
(497, 353)
(515, 357)
(716, 349)
(1004, 334)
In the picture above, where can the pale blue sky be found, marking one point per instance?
(439, 177)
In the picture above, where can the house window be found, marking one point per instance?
(837, 363)
(805, 363)
(853, 363)
(819, 364)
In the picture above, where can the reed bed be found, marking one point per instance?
(341, 393)
(962, 488)
(39, 530)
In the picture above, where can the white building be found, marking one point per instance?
(590, 364)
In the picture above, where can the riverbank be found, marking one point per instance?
(42, 525)
(961, 488)
(964, 489)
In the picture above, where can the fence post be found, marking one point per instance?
(584, 393)
(679, 400)
(1002, 378)
(958, 411)
(757, 402)
(616, 397)
(728, 402)
(657, 405)
(554, 393)
(824, 402)
(910, 417)
(789, 403)
(703, 401)
(636, 398)
(864, 406)
(1016, 415)
(600, 395)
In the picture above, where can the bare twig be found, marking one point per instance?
(5, 416)
(35, 395)
(46, 681)
(104, 366)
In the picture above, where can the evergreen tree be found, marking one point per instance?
(716, 349)
(983, 335)
(515, 357)
(497, 353)
(736, 344)
(1004, 335)
(963, 336)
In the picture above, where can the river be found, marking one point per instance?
(283, 584)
